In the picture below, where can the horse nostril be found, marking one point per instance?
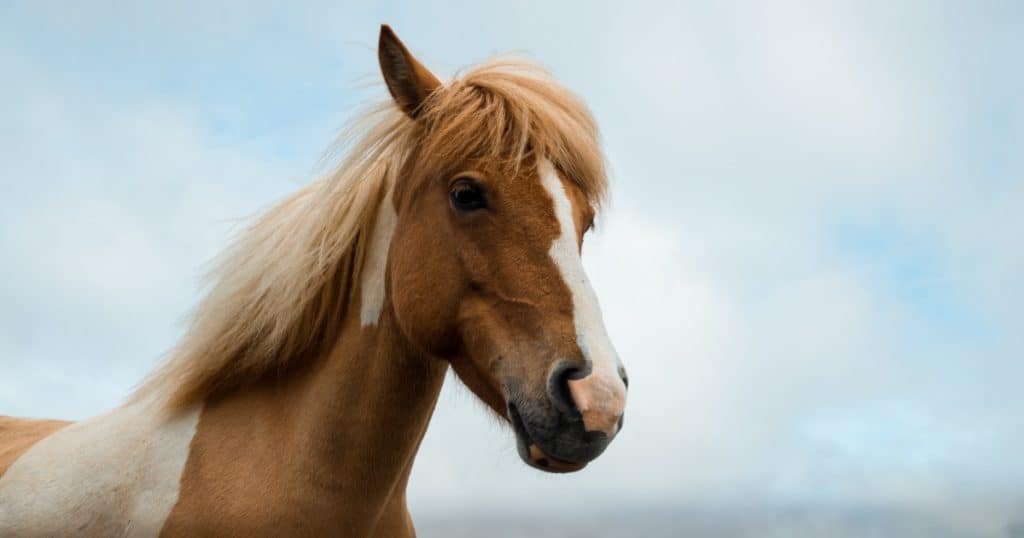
(558, 387)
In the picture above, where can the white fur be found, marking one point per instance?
(114, 475)
(373, 272)
(604, 385)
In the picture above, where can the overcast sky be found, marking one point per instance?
(812, 264)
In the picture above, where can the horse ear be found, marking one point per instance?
(408, 81)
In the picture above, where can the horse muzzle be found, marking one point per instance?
(573, 425)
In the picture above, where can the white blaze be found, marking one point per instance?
(114, 475)
(601, 396)
(373, 272)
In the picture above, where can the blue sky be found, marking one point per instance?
(811, 264)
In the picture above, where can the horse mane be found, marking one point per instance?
(279, 293)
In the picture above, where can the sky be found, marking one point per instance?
(811, 264)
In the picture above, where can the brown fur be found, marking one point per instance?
(325, 451)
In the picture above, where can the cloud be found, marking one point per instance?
(810, 264)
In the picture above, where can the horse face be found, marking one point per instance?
(484, 270)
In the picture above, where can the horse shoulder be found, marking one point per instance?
(17, 435)
(115, 474)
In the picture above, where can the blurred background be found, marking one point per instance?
(812, 263)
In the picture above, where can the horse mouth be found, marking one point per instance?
(532, 454)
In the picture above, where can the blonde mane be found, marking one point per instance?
(280, 292)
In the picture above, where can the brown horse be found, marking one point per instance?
(296, 402)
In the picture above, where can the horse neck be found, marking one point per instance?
(366, 405)
(340, 432)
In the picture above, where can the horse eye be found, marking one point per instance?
(467, 195)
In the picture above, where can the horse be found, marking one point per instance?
(449, 235)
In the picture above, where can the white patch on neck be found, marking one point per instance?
(601, 394)
(371, 284)
(117, 474)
